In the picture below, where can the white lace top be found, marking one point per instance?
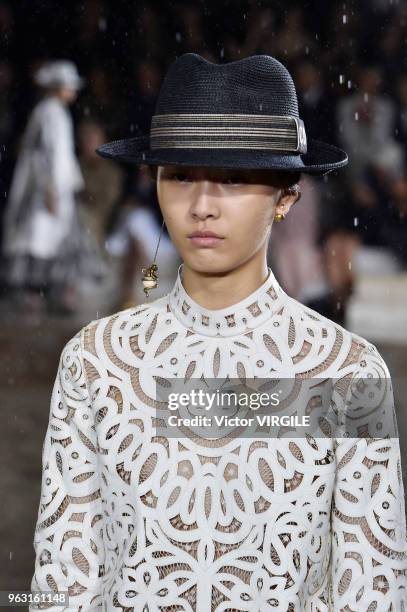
(135, 522)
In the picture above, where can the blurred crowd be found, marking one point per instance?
(348, 61)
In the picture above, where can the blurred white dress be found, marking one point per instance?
(46, 159)
(133, 520)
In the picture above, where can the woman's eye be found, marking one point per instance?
(184, 178)
(233, 180)
(181, 178)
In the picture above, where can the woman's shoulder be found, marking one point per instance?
(336, 349)
(110, 329)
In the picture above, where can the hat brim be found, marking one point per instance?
(320, 158)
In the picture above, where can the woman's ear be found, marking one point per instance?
(289, 196)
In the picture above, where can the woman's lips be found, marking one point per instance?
(205, 241)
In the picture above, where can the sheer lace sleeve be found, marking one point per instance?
(369, 549)
(68, 537)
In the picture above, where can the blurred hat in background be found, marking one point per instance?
(59, 73)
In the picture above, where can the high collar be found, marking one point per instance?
(238, 318)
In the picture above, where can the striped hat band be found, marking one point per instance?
(228, 131)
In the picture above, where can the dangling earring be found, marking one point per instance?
(150, 275)
(279, 217)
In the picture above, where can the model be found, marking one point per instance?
(132, 519)
(41, 204)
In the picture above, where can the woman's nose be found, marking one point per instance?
(204, 198)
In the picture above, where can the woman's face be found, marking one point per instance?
(238, 205)
(66, 94)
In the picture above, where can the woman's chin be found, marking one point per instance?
(209, 264)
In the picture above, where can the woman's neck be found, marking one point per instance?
(216, 290)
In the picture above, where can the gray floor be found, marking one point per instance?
(28, 356)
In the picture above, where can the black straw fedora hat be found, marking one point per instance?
(240, 114)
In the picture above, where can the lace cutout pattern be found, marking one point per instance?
(132, 521)
(250, 312)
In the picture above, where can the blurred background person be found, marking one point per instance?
(366, 119)
(146, 81)
(293, 40)
(39, 218)
(400, 130)
(298, 259)
(103, 186)
(360, 223)
(315, 99)
(98, 102)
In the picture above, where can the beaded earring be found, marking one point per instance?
(150, 275)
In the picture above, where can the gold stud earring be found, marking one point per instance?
(279, 217)
(150, 275)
